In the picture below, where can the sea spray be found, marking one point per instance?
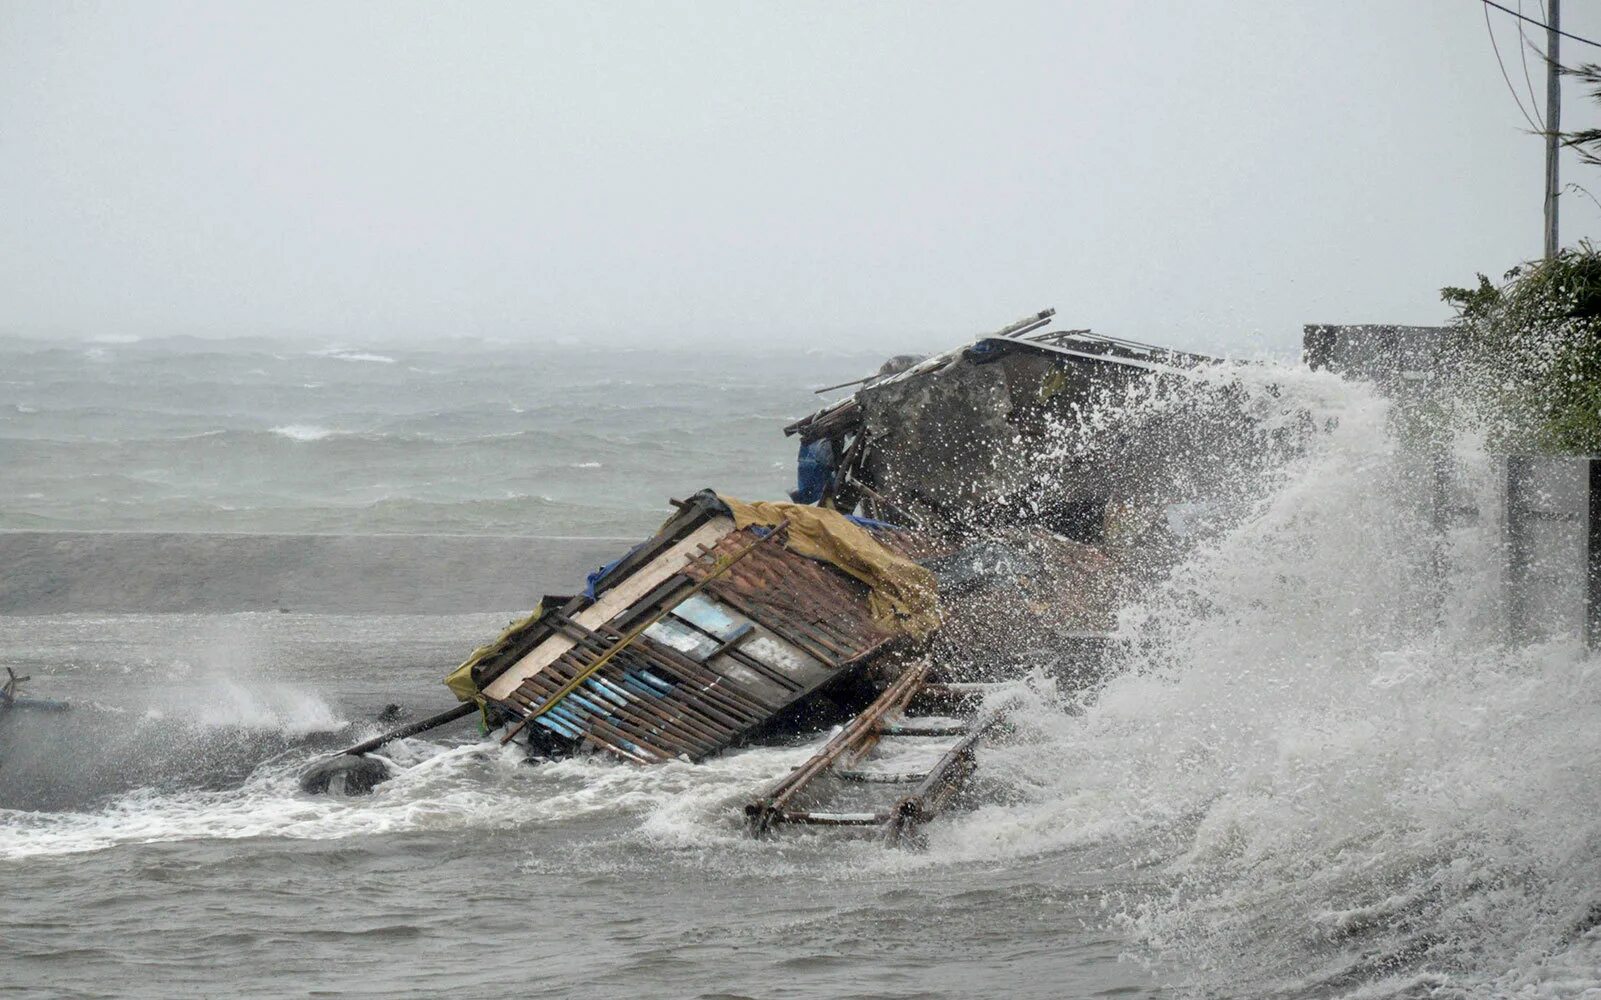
(1347, 783)
(203, 714)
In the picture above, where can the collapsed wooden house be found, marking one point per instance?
(737, 621)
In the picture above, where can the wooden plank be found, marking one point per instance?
(612, 603)
(834, 819)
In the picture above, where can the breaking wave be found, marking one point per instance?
(342, 354)
(304, 432)
(439, 786)
(1345, 783)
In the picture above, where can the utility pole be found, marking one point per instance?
(1553, 122)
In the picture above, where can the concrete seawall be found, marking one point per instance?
(112, 572)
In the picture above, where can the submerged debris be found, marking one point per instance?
(345, 774)
(11, 700)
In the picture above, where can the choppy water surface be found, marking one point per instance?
(163, 862)
(257, 435)
(1317, 774)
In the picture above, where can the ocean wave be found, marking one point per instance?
(1333, 786)
(305, 432)
(343, 354)
(438, 786)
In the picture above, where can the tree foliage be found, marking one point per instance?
(1534, 348)
(1586, 141)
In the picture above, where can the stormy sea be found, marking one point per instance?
(1300, 780)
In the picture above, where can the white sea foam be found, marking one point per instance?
(343, 354)
(268, 805)
(304, 432)
(477, 786)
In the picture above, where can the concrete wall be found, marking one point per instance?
(1401, 360)
(1547, 525)
(1545, 515)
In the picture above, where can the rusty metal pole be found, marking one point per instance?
(1519, 546)
(461, 711)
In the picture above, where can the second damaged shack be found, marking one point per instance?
(1065, 471)
(733, 621)
(999, 433)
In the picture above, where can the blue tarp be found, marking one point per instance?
(814, 471)
(872, 525)
(595, 577)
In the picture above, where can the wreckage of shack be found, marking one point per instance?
(955, 518)
(733, 621)
(922, 480)
(990, 435)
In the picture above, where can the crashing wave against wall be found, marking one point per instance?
(1349, 784)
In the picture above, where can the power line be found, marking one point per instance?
(1542, 24)
(1523, 56)
(1506, 76)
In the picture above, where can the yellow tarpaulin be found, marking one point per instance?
(460, 681)
(901, 594)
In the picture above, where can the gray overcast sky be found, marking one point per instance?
(1201, 173)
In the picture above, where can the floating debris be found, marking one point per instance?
(841, 757)
(10, 700)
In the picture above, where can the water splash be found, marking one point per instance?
(1347, 784)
